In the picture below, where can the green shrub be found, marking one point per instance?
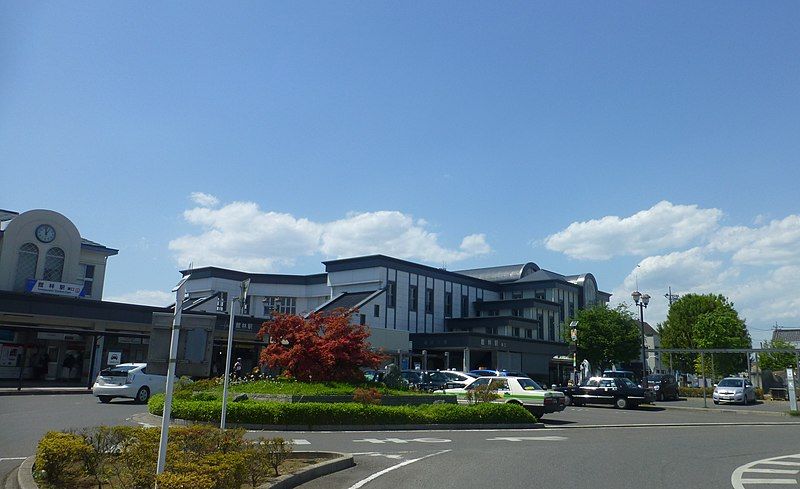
(482, 393)
(314, 414)
(367, 396)
(170, 480)
(276, 450)
(698, 392)
(226, 470)
(60, 459)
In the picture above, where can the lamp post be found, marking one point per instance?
(642, 300)
(241, 299)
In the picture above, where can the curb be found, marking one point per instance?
(25, 474)
(152, 419)
(722, 410)
(340, 461)
(32, 391)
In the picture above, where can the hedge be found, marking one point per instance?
(290, 387)
(316, 414)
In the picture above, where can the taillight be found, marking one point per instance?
(129, 378)
(550, 400)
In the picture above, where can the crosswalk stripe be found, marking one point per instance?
(769, 481)
(300, 441)
(781, 462)
(772, 471)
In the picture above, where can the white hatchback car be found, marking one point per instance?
(130, 380)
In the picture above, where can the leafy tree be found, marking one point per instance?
(778, 360)
(607, 336)
(705, 321)
(319, 347)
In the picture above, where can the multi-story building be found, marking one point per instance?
(510, 317)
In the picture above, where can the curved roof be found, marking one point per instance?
(503, 274)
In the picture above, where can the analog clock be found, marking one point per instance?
(45, 233)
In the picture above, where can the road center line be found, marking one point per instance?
(3, 459)
(374, 476)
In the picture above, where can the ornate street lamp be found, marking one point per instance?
(642, 300)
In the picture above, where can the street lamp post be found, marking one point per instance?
(642, 300)
(241, 299)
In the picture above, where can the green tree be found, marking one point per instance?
(705, 321)
(606, 336)
(778, 360)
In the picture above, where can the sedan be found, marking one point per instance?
(129, 380)
(734, 389)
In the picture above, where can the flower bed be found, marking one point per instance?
(199, 457)
(330, 414)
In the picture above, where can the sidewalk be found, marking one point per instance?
(9, 388)
(774, 408)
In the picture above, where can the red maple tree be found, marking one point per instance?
(320, 347)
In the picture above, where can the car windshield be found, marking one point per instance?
(657, 378)
(412, 376)
(529, 385)
(731, 383)
(628, 382)
(436, 377)
(118, 371)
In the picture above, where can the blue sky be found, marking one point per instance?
(587, 138)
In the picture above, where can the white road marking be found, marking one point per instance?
(374, 476)
(527, 438)
(3, 459)
(300, 441)
(757, 467)
(401, 440)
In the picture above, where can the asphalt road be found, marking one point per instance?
(24, 419)
(597, 447)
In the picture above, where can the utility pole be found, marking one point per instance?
(671, 297)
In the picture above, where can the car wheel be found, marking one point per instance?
(143, 395)
(716, 402)
(660, 397)
(105, 399)
(567, 401)
(621, 403)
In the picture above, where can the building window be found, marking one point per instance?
(54, 265)
(540, 294)
(87, 277)
(529, 334)
(376, 311)
(283, 305)
(222, 302)
(494, 312)
(572, 309)
(493, 330)
(551, 326)
(448, 304)
(516, 312)
(391, 294)
(428, 301)
(362, 319)
(515, 332)
(540, 327)
(516, 294)
(413, 298)
(464, 306)
(28, 258)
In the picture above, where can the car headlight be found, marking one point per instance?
(656, 387)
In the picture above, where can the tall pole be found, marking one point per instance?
(242, 297)
(644, 352)
(180, 292)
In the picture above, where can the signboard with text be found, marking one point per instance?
(54, 288)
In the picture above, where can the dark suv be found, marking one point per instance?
(664, 386)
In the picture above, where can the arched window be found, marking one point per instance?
(26, 265)
(54, 265)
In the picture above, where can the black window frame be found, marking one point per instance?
(448, 304)
(413, 298)
(391, 294)
(464, 305)
(428, 300)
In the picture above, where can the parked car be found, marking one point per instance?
(734, 389)
(618, 391)
(457, 379)
(129, 380)
(425, 380)
(664, 385)
(621, 374)
(519, 390)
(494, 373)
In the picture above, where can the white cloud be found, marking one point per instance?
(144, 297)
(777, 243)
(663, 226)
(242, 236)
(203, 199)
